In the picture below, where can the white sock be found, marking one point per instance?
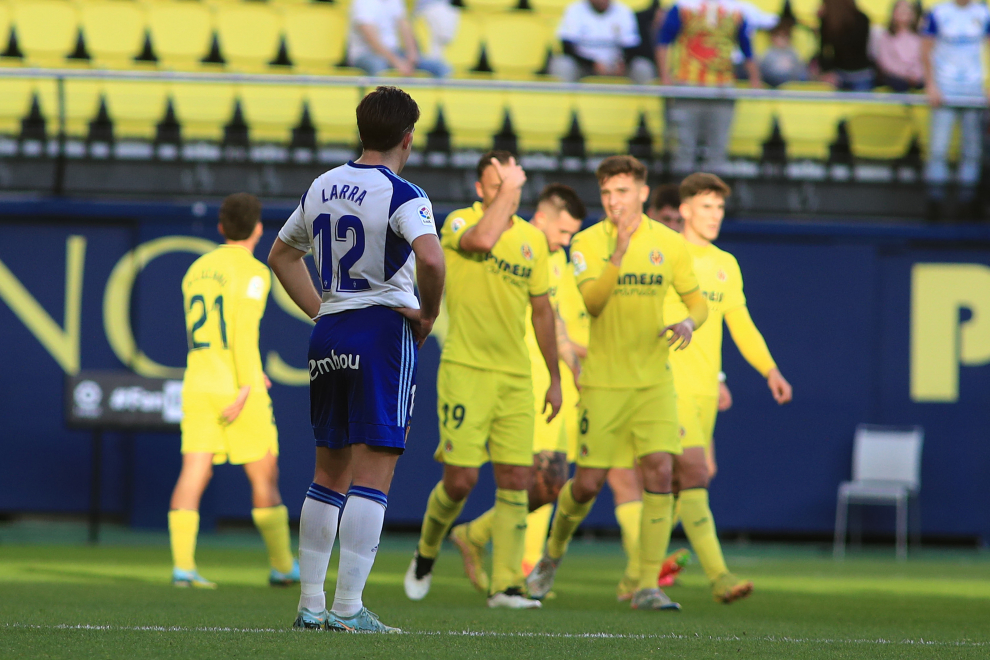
(360, 532)
(317, 529)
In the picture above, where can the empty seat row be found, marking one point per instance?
(539, 119)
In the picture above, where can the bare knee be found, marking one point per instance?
(658, 472)
(550, 476)
(458, 481)
(587, 484)
(691, 469)
(513, 477)
(625, 485)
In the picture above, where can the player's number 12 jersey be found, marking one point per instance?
(360, 221)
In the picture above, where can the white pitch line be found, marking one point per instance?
(537, 635)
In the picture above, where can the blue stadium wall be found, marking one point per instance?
(837, 305)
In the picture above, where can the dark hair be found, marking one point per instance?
(915, 7)
(239, 213)
(702, 182)
(563, 198)
(384, 116)
(665, 195)
(501, 155)
(615, 165)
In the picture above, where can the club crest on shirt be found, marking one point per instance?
(448, 446)
(721, 276)
(584, 451)
(682, 431)
(456, 224)
(656, 257)
(425, 215)
(527, 252)
(580, 265)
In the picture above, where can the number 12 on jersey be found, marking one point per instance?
(333, 238)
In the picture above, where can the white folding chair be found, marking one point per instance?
(886, 471)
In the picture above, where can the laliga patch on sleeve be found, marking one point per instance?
(255, 288)
(456, 224)
(425, 215)
(579, 263)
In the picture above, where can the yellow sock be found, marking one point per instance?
(183, 528)
(273, 523)
(569, 516)
(508, 538)
(441, 512)
(700, 529)
(654, 536)
(537, 526)
(479, 530)
(628, 515)
(677, 512)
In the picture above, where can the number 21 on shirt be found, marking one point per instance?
(345, 237)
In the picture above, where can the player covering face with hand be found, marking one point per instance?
(559, 212)
(498, 265)
(624, 267)
(372, 236)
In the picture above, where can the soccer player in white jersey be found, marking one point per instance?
(371, 233)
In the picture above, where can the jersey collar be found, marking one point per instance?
(362, 166)
(644, 226)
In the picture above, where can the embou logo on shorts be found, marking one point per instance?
(333, 363)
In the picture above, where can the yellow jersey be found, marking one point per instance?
(557, 263)
(487, 295)
(625, 349)
(696, 368)
(572, 310)
(224, 292)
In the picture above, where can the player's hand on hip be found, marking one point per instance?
(233, 411)
(422, 330)
(724, 397)
(512, 176)
(553, 400)
(680, 334)
(779, 387)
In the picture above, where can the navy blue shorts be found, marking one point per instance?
(362, 378)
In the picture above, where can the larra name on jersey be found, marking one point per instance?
(333, 363)
(350, 193)
(644, 279)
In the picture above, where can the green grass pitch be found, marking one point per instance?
(114, 601)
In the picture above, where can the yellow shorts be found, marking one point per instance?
(618, 426)
(551, 436)
(696, 416)
(252, 435)
(569, 411)
(484, 413)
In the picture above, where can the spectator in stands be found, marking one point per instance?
(665, 206)
(648, 22)
(896, 50)
(954, 33)
(704, 58)
(443, 19)
(843, 57)
(599, 38)
(781, 63)
(381, 38)
(757, 20)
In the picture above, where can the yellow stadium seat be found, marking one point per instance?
(271, 111)
(135, 106)
(516, 44)
(82, 102)
(769, 6)
(877, 10)
(332, 110)
(249, 35)
(880, 136)
(428, 100)
(608, 121)
(807, 86)
(315, 36)
(540, 119)
(4, 27)
(806, 11)
(555, 7)
(752, 123)
(15, 103)
(181, 33)
(809, 127)
(203, 109)
(46, 30)
(472, 116)
(922, 123)
(464, 51)
(114, 31)
(491, 5)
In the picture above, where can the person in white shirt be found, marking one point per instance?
(953, 34)
(381, 38)
(443, 20)
(599, 38)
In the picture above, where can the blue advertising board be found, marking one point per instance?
(885, 326)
